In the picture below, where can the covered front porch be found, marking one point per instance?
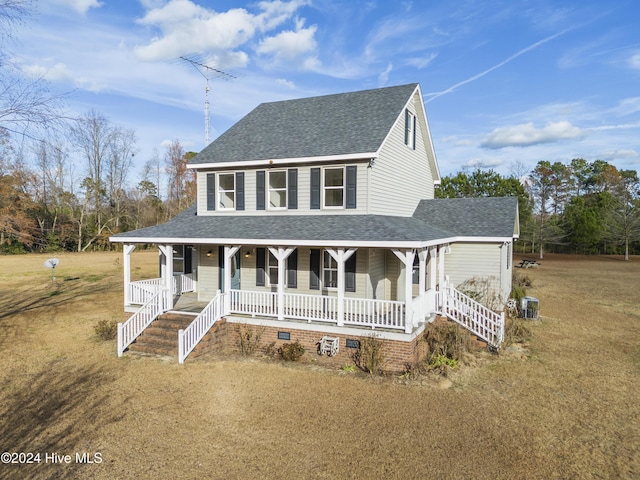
(391, 289)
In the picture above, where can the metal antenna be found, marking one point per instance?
(209, 70)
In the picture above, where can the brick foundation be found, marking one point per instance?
(224, 339)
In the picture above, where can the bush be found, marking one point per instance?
(516, 332)
(248, 338)
(369, 357)
(106, 329)
(444, 340)
(291, 352)
(483, 291)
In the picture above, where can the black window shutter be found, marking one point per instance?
(292, 187)
(260, 192)
(315, 189)
(314, 269)
(407, 119)
(187, 259)
(239, 190)
(414, 132)
(350, 274)
(221, 267)
(260, 266)
(292, 269)
(211, 191)
(351, 186)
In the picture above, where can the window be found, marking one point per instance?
(415, 272)
(329, 271)
(333, 191)
(410, 129)
(226, 191)
(278, 189)
(272, 269)
(178, 259)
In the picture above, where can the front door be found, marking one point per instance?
(235, 269)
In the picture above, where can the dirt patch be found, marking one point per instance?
(565, 405)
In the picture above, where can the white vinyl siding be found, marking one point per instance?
(401, 176)
(304, 192)
(480, 260)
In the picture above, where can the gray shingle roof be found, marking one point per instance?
(341, 124)
(433, 220)
(320, 228)
(471, 217)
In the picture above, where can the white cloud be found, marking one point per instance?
(56, 73)
(286, 83)
(421, 62)
(383, 78)
(289, 45)
(80, 6)
(527, 134)
(627, 106)
(634, 61)
(618, 154)
(186, 28)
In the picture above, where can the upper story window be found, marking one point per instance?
(410, 129)
(333, 188)
(278, 189)
(226, 191)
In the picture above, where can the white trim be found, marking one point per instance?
(220, 192)
(324, 187)
(365, 156)
(268, 189)
(338, 331)
(309, 243)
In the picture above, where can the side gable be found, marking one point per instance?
(345, 126)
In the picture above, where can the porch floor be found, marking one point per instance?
(188, 302)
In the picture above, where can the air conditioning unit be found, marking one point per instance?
(530, 308)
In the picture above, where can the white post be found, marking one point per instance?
(126, 265)
(341, 256)
(167, 275)
(229, 251)
(120, 339)
(406, 258)
(433, 261)
(181, 346)
(441, 268)
(422, 281)
(281, 254)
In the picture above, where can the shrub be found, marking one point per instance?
(516, 332)
(106, 329)
(248, 338)
(444, 340)
(291, 352)
(521, 280)
(369, 356)
(483, 291)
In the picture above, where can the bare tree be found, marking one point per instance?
(181, 191)
(26, 105)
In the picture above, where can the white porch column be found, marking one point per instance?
(229, 251)
(422, 269)
(433, 262)
(407, 258)
(167, 274)
(281, 254)
(127, 249)
(341, 256)
(441, 267)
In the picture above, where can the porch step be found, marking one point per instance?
(161, 337)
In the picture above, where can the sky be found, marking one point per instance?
(506, 83)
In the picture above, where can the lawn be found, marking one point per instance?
(568, 407)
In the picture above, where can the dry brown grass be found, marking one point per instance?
(568, 408)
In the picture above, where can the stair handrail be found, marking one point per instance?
(141, 319)
(475, 317)
(191, 336)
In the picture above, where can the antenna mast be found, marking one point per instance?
(208, 69)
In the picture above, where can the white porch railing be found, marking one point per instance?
(253, 303)
(135, 325)
(183, 283)
(311, 307)
(475, 317)
(374, 313)
(142, 290)
(191, 336)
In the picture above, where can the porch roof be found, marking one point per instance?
(356, 230)
(472, 217)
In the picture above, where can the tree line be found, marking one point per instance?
(574, 207)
